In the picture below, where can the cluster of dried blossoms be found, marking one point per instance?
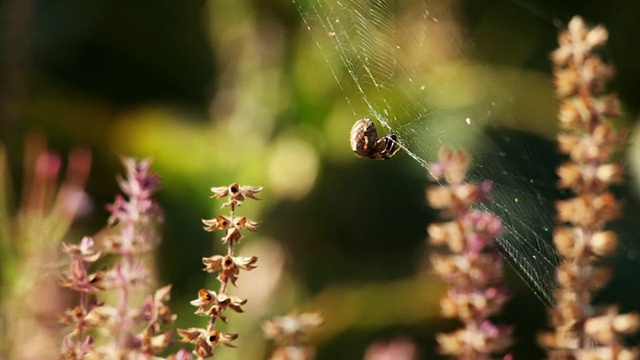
(289, 332)
(130, 331)
(590, 141)
(474, 267)
(209, 302)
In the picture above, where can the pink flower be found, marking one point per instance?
(397, 349)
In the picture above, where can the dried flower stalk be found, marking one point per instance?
(474, 267)
(209, 302)
(580, 330)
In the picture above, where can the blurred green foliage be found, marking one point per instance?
(226, 91)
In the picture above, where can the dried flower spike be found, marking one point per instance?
(213, 304)
(589, 141)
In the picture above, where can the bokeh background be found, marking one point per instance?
(226, 91)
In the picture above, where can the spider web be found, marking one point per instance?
(410, 71)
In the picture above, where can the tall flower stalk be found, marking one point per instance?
(473, 269)
(136, 215)
(214, 304)
(131, 330)
(582, 236)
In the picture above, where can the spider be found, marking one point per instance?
(365, 142)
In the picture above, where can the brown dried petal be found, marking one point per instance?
(466, 194)
(607, 206)
(449, 233)
(236, 308)
(567, 276)
(605, 135)
(626, 323)
(570, 176)
(212, 263)
(566, 82)
(448, 307)
(572, 113)
(235, 303)
(250, 191)
(219, 222)
(224, 299)
(246, 262)
(457, 162)
(219, 192)
(603, 243)
(244, 223)
(608, 106)
(597, 36)
(437, 233)
(443, 265)
(577, 29)
(607, 327)
(190, 334)
(565, 242)
(567, 142)
(216, 337)
(233, 236)
(609, 173)
(561, 55)
(451, 344)
(439, 197)
(205, 298)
